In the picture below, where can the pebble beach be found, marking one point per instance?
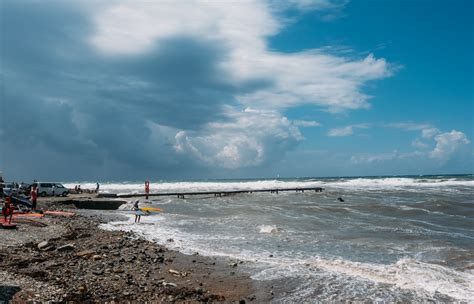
(57, 258)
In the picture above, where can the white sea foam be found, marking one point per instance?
(268, 229)
(156, 233)
(394, 182)
(406, 273)
(196, 186)
(363, 183)
(298, 236)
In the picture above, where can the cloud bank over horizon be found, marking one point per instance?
(126, 88)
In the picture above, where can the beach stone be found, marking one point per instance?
(70, 236)
(82, 289)
(169, 284)
(174, 272)
(96, 257)
(98, 272)
(43, 245)
(66, 247)
(49, 248)
(85, 253)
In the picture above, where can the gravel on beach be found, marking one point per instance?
(57, 258)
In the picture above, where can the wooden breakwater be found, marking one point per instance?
(213, 193)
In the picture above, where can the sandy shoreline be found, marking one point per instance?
(80, 262)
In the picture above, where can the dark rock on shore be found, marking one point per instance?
(7, 292)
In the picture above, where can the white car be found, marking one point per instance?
(51, 189)
(9, 188)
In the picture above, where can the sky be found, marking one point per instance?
(176, 90)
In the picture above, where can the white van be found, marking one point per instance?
(51, 189)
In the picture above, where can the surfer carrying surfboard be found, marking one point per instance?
(138, 212)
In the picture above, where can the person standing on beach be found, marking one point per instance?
(97, 188)
(7, 210)
(34, 196)
(138, 213)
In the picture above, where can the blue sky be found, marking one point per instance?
(127, 90)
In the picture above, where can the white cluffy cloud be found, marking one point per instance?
(417, 143)
(306, 123)
(347, 130)
(447, 144)
(272, 80)
(128, 28)
(248, 138)
(427, 130)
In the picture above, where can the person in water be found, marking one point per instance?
(138, 213)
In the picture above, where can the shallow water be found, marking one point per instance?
(392, 239)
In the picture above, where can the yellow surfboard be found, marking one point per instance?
(151, 209)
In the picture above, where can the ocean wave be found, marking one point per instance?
(392, 183)
(406, 273)
(164, 187)
(363, 183)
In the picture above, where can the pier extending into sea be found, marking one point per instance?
(214, 193)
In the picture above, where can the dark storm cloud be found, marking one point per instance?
(62, 101)
(178, 84)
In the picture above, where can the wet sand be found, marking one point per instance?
(57, 258)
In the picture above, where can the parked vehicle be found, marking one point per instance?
(9, 188)
(51, 189)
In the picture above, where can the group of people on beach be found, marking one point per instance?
(78, 189)
(8, 206)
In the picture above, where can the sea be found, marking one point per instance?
(369, 239)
